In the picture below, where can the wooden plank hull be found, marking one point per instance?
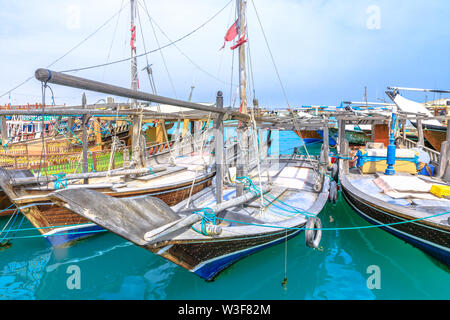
(309, 136)
(435, 138)
(353, 137)
(208, 258)
(358, 138)
(425, 236)
(62, 227)
(178, 240)
(6, 206)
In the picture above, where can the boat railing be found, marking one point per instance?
(158, 148)
(27, 106)
(70, 162)
(434, 155)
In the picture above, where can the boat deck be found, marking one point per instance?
(291, 184)
(412, 194)
(185, 169)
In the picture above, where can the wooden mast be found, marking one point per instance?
(241, 168)
(135, 138)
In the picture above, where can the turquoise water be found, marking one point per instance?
(112, 268)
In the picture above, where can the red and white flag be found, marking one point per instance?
(231, 34)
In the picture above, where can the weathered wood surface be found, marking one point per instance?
(433, 232)
(45, 179)
(130, 218)
(53, 216)
(435, 138)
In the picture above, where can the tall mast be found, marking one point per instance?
(135, 138)
(134, 85)
(241, 168)
(242, 6)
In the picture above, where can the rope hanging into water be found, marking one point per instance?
(13, 217)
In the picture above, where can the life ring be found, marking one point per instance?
(313, 237)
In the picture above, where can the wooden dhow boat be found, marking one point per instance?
(434, 130)
(170, 181)
(268, 202)
(386, 190)
(218, 226)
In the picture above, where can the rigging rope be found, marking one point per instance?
(151, 51)
(271, 55)
(157, 43)
(185, 55)
(112, 40)
(67, 53)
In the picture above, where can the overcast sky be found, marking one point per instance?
(326, 51)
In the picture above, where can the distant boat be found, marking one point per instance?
(399, 203)
(434, 130)
(354, 136)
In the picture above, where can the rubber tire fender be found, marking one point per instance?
(313, 237)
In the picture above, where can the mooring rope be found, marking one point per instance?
(326, 229)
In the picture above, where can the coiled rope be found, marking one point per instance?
(208, 217)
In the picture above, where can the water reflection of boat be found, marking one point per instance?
(19, 280)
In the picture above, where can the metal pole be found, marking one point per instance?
(341, 136)
(45, 75)
(420, 132)
(105, 113)
(404, 129)
(4, 130)
(326, 143)
(391, 148)
(448, 131)
(419, 89)
(85, 139)
(218, 125)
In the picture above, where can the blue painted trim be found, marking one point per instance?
(331, 141)
(437, 253)
(210, 270)
(67, 236)
(363, 158)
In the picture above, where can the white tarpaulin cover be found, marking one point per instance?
(406, 105)
(402, 184)
(403, 187)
